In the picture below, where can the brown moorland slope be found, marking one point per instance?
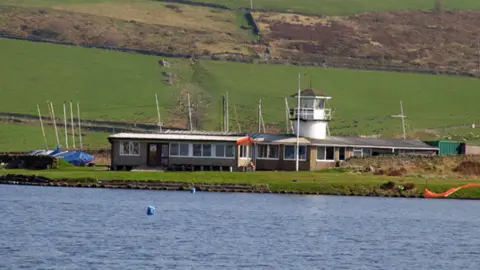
(414, 38)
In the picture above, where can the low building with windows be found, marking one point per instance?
(179, 150)
(196, 150)
(278, 152)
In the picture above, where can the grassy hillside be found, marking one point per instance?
(121, 86)
(413, 39)
(344, 7)
(105, 83)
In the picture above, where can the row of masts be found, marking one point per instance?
(51, 112)
(289, 129)
(225, 125)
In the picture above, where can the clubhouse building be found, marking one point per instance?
(200, 150)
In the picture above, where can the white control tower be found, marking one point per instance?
(314, 116)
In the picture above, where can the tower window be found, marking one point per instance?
(320, 104)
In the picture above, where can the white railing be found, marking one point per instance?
(312, 114)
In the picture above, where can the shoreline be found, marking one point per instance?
(355, 189)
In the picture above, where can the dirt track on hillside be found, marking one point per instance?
(418, 38)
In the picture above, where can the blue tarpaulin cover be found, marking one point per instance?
(76, 158)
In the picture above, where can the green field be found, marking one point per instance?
(326, 182)
(28, 137)
(108, 85)
(322, 7)
(344, 7)
(467, 135)
(121, 86)
(52, 2)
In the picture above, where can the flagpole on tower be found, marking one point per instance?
(298, 123)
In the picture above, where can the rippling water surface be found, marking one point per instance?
(69, 228)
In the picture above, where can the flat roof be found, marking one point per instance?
(341, 141)
(174, 136)
(278, 138)
(345, 141)
(373, 143)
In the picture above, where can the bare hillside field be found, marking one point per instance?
(189, 17)
(163, 28)
(415, 38)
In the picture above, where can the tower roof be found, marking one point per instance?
(309, 92)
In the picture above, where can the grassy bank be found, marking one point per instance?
(27, 137)
(329, 182)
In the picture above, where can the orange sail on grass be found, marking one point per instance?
(429, 194)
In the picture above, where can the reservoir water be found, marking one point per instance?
(73, 228)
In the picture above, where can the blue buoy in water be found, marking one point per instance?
(192, 190)
(151, 210)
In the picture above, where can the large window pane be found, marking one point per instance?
(321, 153)
(184, 149)
(135, 148)
(244, 151)
(174, 149)
(124, 148)
(230, 151)
(207, 150)
(330, 153)
(164, 150)
(197, 150)
(129, 148)
(273, 151)
(341, 153)
(289, 152)
(220, 150)
(262, 151)
(302, 152)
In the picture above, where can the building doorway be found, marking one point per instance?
(158, 155)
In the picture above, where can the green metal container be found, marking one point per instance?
(446, 148)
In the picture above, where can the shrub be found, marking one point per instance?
(408, 186)
(468, 168)
(45, 33)
(396, 172)
(388, 185)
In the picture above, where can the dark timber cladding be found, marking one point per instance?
(235, 151)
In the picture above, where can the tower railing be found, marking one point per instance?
(309, 114)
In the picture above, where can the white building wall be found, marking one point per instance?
(312, 129)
